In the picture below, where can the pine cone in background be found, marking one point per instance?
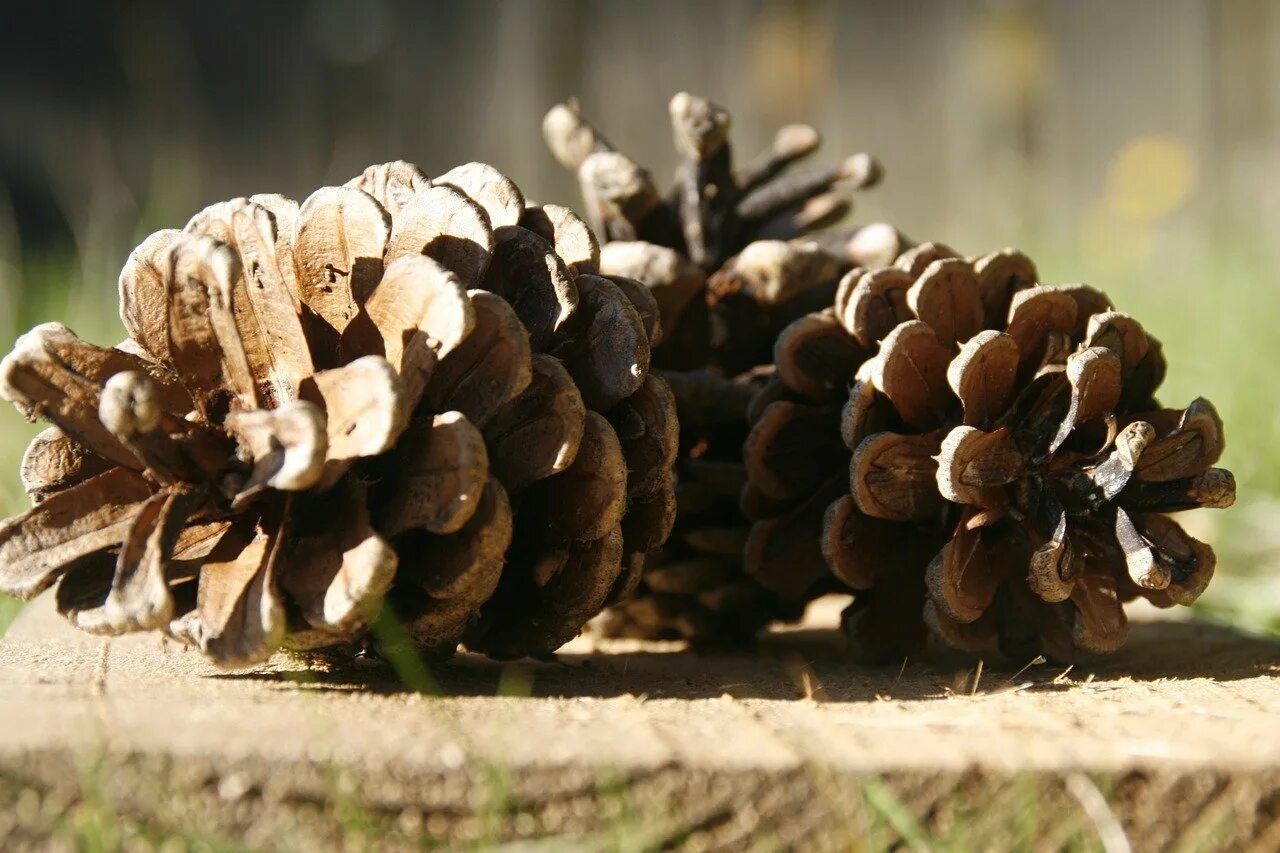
(404, 388)
(728, 260)
(1008, 465)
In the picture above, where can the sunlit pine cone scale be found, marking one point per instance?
(401, 390)
(1009, 468)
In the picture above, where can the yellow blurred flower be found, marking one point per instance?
(1150, 178)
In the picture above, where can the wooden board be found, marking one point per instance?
(641, 745)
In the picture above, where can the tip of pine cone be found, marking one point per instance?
(701, 126)
(614, 176)
(796, 140)
(30, 347)
(862, 171)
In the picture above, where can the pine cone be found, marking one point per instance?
(390, 391)
(718, 255)
(1008, 464)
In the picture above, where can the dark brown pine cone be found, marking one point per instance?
(405, 389)
(728, 260)
(694, 587)
(1009, 465)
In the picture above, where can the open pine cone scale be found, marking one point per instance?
(378, 393)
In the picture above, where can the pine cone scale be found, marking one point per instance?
(417, 294)
(54, 375)
(441, 466)
(331, 574)
(39, 544)
(984, 376)
(488, 369)
(529, 274)
(893, 476)
(54, 462)
(537, 433)
(966, 575)
(144, 296)
(239, 613)
(140, 599)
(447, 226)
(364, 406)
(264, 309)
(494, 192)
(392, 185)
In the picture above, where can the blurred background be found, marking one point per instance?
(1131, 145)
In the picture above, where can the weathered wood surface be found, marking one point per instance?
(794, 745)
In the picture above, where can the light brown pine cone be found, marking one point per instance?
(405, 389)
